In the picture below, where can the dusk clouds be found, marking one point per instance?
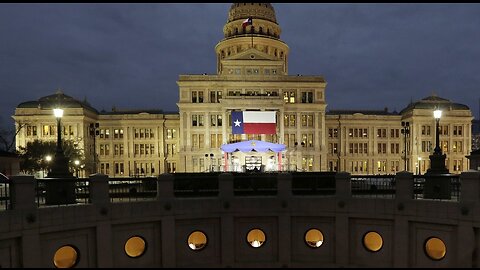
(130, 55)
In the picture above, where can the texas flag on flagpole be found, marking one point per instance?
(247, 22)
(254, 122)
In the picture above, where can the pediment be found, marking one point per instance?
(251, 54)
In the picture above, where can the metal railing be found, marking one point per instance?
(4, 195)
(132, 189)
(71, 190)
(453, 189)
(195, 184)
(373, 186)
(244, 184)
(310, 183)
(255, 184)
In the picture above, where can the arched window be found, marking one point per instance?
(260, 30)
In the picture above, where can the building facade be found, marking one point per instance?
(252, 74)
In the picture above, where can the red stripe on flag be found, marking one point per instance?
(259, 128)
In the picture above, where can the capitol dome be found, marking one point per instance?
(263, 11)
(264, 21)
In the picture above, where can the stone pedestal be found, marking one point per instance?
(60, 191)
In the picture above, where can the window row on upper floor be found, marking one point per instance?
(289, 96)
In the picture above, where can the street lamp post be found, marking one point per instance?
(211, 162)
(60, 165)
(48, 159)
(77, 163)
(405, 132)
(60, 187)
(94, 132)
(419, 164)
(437, 159)
(437, 183)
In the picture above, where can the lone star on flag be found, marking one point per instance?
(237, 123)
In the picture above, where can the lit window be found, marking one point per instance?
(256, 238)
(197, 240)
(65, 257)
(435, 248)
(135, 246)
(372, 241)
(314, 238)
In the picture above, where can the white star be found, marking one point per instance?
(237, 123)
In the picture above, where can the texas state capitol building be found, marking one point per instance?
(252, 74)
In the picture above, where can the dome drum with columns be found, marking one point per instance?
(263, 35)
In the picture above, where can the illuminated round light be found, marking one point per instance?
(197, 240)
(435, 248)
(314, 238)
(373, 241)
(256, 238)
(135, 246)
(65, 257)
(58, 112)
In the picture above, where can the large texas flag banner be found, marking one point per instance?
(253, 122)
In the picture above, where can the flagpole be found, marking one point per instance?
(252, 29)
(252, 36)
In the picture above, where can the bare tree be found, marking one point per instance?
(8, 137)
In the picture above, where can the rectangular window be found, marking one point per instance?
(333, 133)
(457, 147)
(171, 133)
(457, 165)
(194, 120)
(394, 133)
(444, 146)
(310, 140)
(382, 133)
(307, 97)
(31, 130)
(289, 96)
(216, 120)
(116, 133)
(119, 168)
(457, 130)
(215, 96)
(197, 96)
(426, 146)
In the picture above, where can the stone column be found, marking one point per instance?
(22, 198)
(404, 186)
(469, 187)
(342, 186)
(22, 192)
(226, 196)
(98, 188)
(284, 186)
(403, 195)
(165, 187)
(225, 187)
